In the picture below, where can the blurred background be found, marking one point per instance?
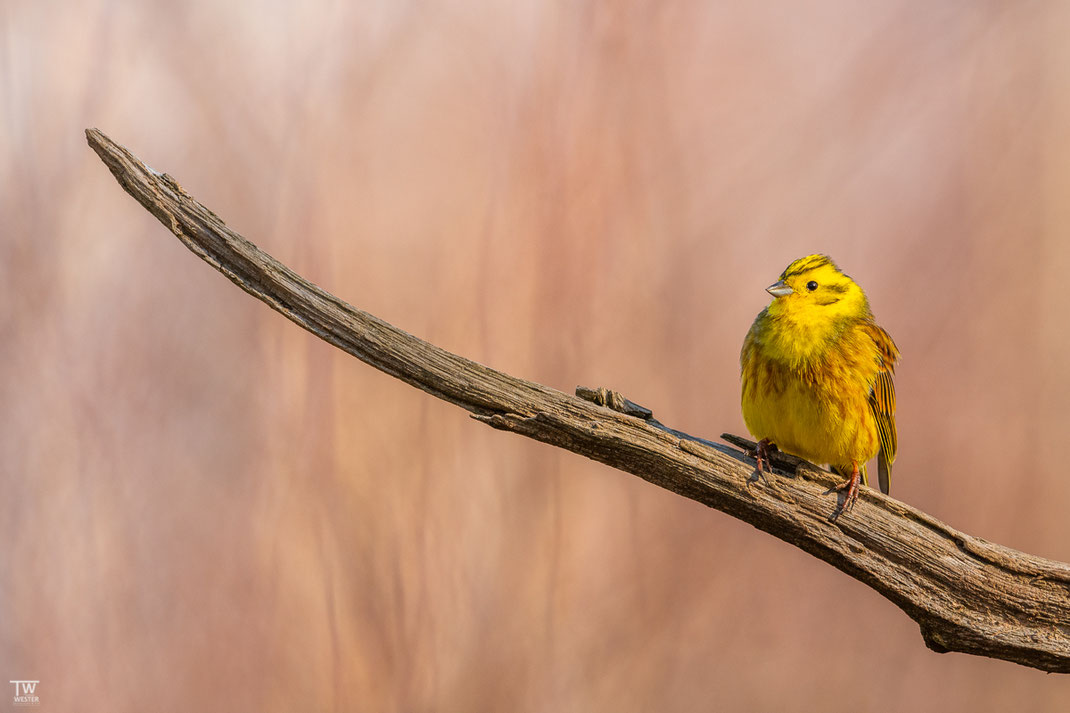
(206, 508)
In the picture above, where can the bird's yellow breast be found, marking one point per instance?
(816, 406)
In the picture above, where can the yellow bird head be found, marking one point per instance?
(813, 289)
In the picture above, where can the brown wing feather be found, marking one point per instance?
(882, 401)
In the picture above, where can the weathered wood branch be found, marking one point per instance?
(967, 594)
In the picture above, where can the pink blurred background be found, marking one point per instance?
(206, 508)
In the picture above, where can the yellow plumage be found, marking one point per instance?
(817, 374)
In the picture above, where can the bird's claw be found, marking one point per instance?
(851, 496)
(763, 452)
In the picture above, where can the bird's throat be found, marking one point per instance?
(800, 339)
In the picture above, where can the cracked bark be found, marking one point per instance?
(967, 594)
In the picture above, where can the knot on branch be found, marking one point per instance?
(614, 400)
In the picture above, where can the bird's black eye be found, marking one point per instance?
(811, 285)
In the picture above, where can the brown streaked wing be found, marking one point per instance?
(882, 401)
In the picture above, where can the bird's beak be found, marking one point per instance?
(779, 289)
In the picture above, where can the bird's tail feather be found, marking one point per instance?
(884, 472)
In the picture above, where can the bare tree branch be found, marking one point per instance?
(967, 594)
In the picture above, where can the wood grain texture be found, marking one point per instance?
(967, 594)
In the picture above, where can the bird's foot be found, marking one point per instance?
(851, 486)
(763, 453)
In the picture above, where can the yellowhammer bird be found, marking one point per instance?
(817, 375)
